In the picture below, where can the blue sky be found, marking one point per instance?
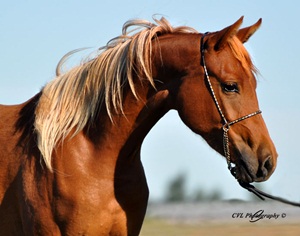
(36, 34)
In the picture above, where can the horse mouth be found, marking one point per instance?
(243, 174)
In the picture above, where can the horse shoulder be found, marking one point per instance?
(10, 153)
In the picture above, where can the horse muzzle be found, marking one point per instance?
(251, 167)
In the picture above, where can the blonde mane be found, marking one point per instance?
(73, 99)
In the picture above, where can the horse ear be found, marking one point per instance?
(222, 36)
(245, 33)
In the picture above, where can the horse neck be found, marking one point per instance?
(122, 137)
(172, 54)
(127, 131)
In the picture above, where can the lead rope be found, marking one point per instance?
(226, 148)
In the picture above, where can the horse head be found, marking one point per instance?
(212, 99)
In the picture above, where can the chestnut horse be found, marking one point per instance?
(70, 156)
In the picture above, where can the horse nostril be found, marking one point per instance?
(265, 167)
(268, 164)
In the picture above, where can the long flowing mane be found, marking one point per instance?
(73, 99)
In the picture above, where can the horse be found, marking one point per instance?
(70, 155)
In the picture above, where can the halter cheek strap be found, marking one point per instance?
(226, 127)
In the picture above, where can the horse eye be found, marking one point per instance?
(230, 87)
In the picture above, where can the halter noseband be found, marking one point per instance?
(226, 124)
(226, 127)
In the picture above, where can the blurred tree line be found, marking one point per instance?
(177, 192)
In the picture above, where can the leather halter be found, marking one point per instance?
(226, 126)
